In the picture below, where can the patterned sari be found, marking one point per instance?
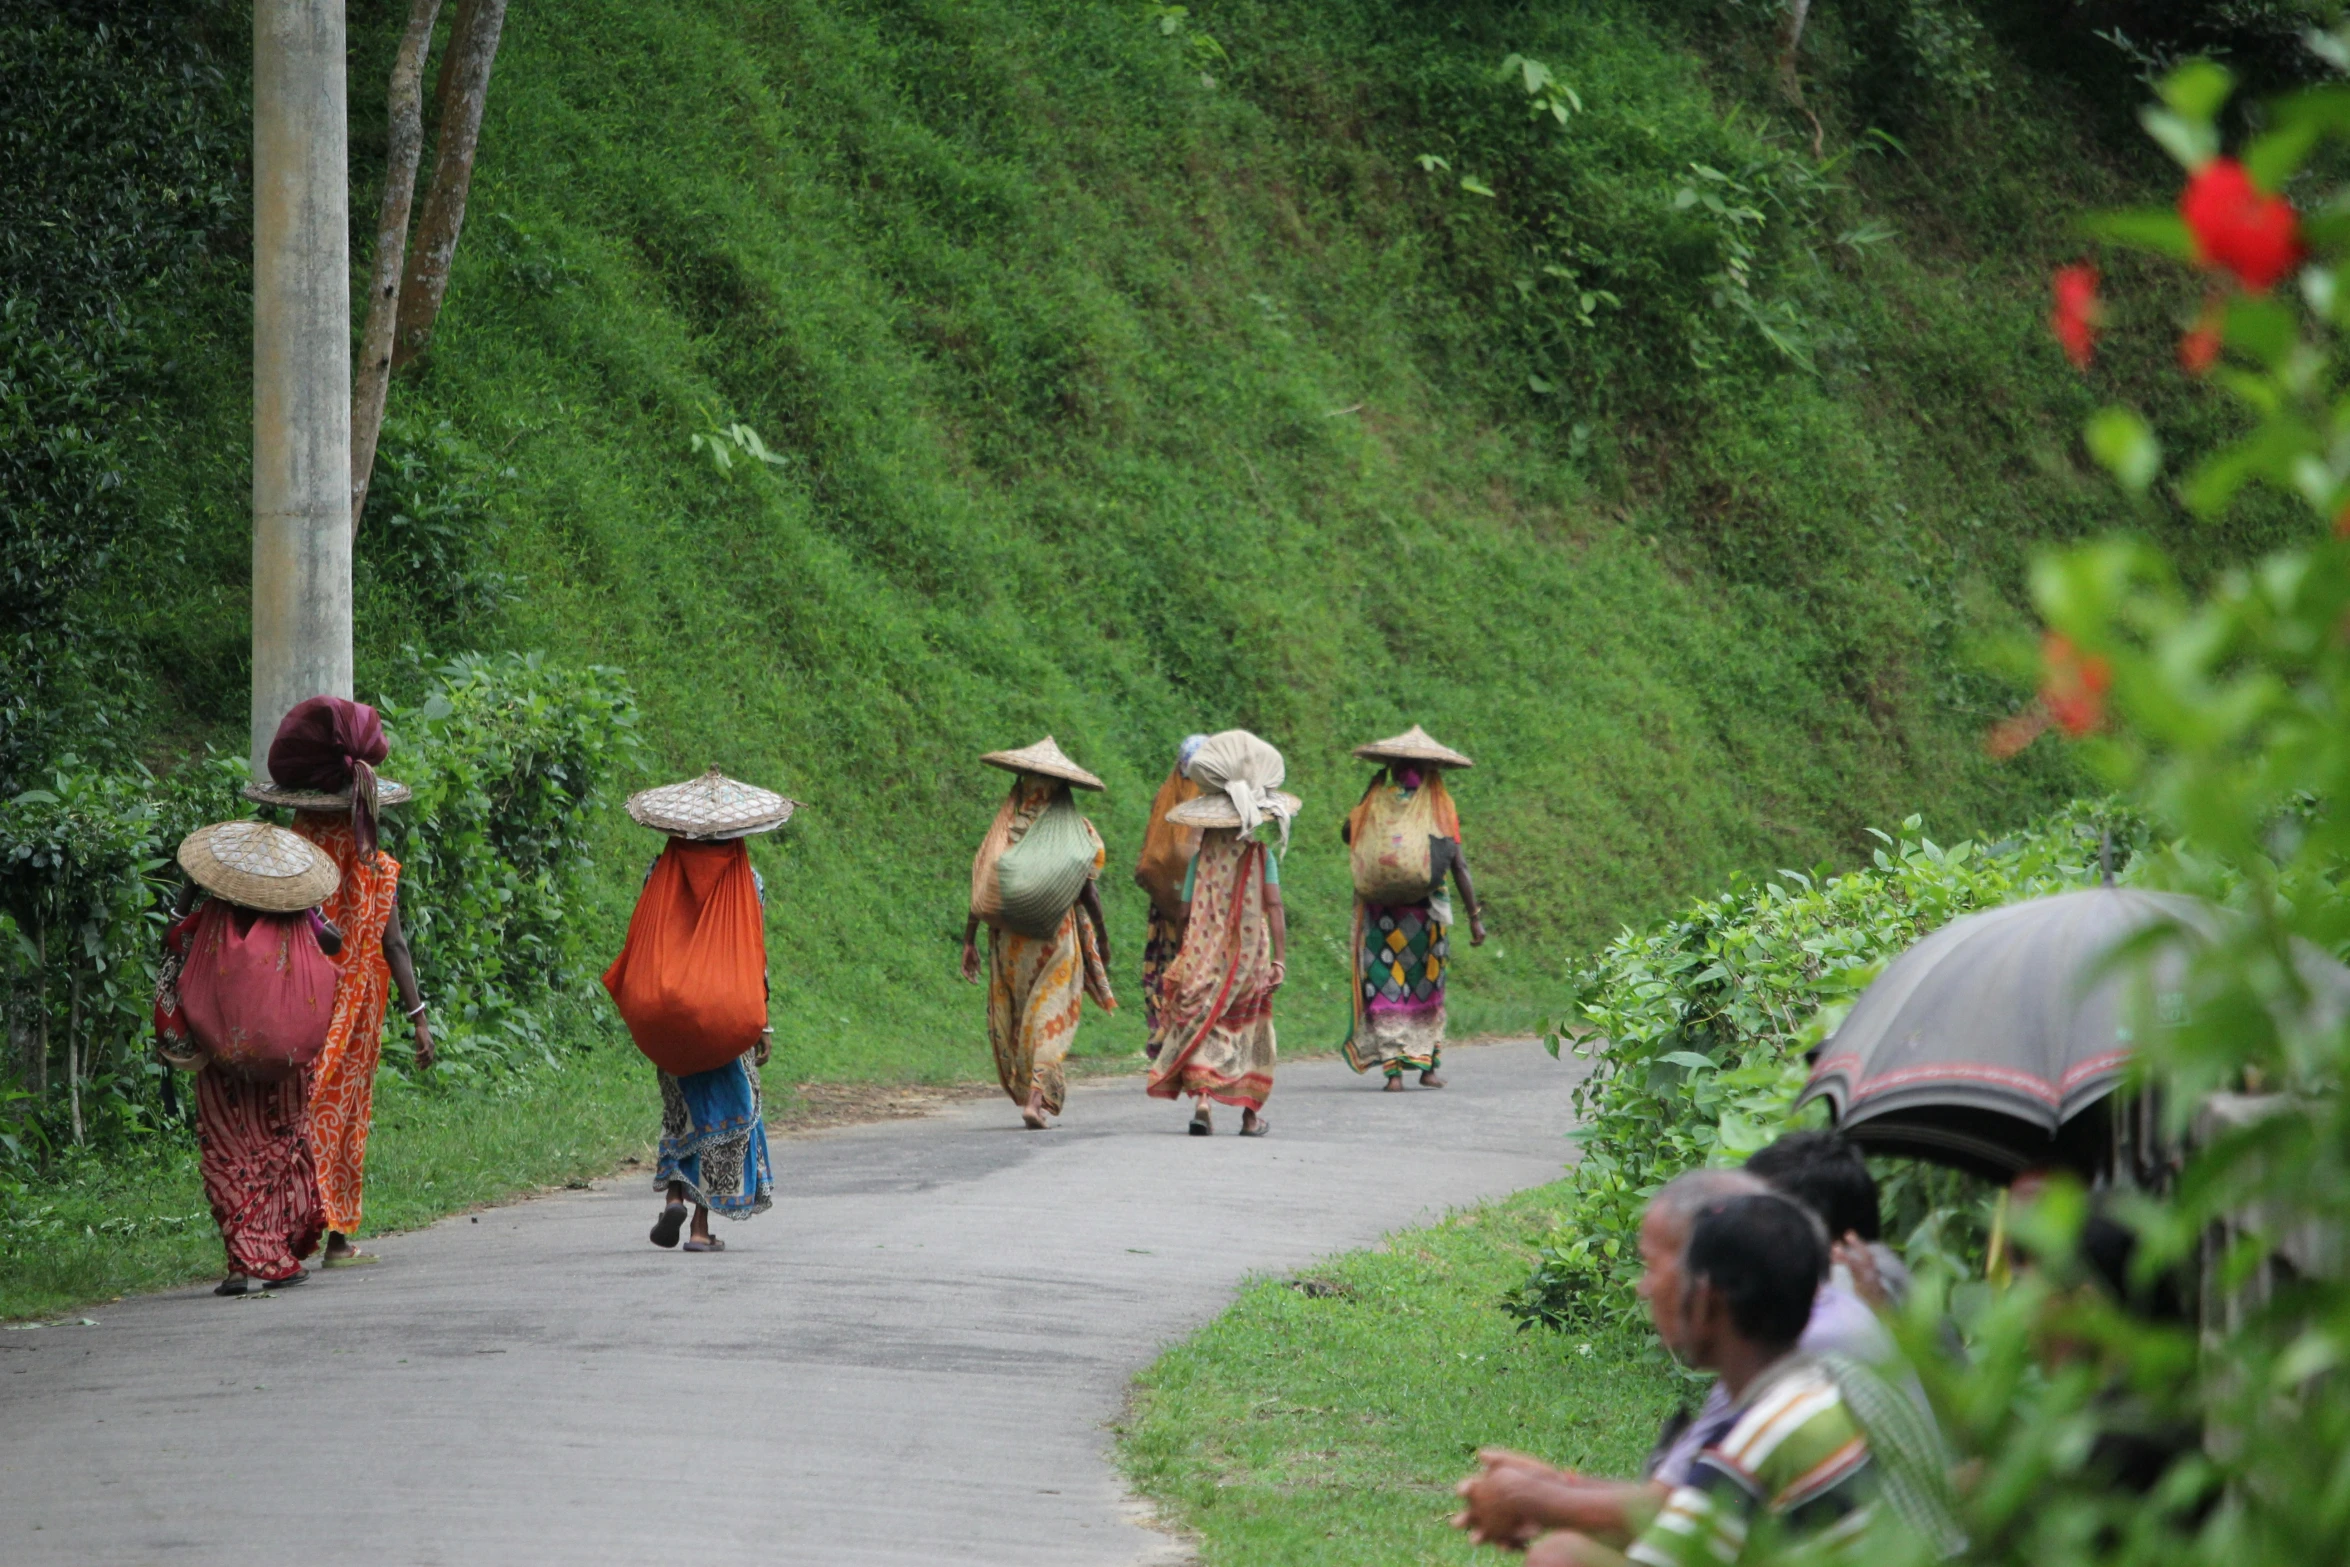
(714, 1139)
(252, 1140)
(1216, 1000)
(1036, 985)
(342, 1085)
(1400, 952)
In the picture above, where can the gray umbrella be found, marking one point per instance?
(1990, 1044)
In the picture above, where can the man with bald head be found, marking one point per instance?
(1514, 1498)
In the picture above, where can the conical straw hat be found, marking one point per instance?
(1217, 810)
(1413, 745)
(258, 865)
(1046, 760)
(386, 793)
(711, 806)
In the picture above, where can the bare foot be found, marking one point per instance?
(1394, 1085)
(1032, 1113)
(1429, 1079)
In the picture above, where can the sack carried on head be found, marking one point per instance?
(691, 981)
(256, 992)
(1398, 844)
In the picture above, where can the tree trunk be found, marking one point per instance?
(1790, 36)
(73, 1055)
(404, 146)
(465, 85)
(41, 1014)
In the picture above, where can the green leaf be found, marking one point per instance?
(2124, 445)
(1475, 186)
(2192, 143)
(2145, 228)
(2275, 158)
(1690, 1059)
(2197, 90)
(2263, 328)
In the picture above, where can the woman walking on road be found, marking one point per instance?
(691, 984)
(1215, 1040)
(322, 764)
(244, 998)
(1403, 837)
(1032, 885)
(1167, 852)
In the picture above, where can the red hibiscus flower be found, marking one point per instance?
(2073, 685)
(2236, 226)
(2078, 314)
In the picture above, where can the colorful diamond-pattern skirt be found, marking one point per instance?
(1400, 953)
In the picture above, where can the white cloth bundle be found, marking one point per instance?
(1237, 764)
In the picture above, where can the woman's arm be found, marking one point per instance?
(1460, 874)
(1277, 916)
(971, 948)
(404, 977)
(1090, 899)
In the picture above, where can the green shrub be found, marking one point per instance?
(506, 756)
(1698, 1027)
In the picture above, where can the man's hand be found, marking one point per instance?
(424, 1051)
(971, 962)
(1504, 1504)
(1476, 930)
(1861, 1262)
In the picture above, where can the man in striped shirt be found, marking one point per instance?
(1794, 1464)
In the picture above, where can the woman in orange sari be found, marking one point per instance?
(322, 764)
(1215, 1034)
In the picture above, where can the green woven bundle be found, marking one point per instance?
(1039, 878)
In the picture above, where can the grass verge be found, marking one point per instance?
(1326, 1418)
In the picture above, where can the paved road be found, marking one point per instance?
(947, 1310)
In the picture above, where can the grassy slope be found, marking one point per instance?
(1300, 1430)
(1118, 406)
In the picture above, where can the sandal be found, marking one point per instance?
(234, 1284)
(665, 1228)
(1201, 1126)
(349, 1257)
(713, 1243)
(1260, 1129)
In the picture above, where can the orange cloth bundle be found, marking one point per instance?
(1167, 847)
(691, 981)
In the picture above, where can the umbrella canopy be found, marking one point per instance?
(1993, 1043)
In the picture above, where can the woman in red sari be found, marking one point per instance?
(322, 763)
(1215, 1014)
(252, 1134)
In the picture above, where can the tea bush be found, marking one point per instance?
(507, 756)
(1698, 1026)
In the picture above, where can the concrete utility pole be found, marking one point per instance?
(301, 363)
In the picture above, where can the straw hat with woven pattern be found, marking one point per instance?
(259, 866)
(1217, 810)
(1413, 745)
(386, 793)
(711, 806)
(1046, 760)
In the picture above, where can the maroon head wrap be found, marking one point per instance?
(331, 744)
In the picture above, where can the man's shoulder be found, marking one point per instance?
(1794, 1430)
